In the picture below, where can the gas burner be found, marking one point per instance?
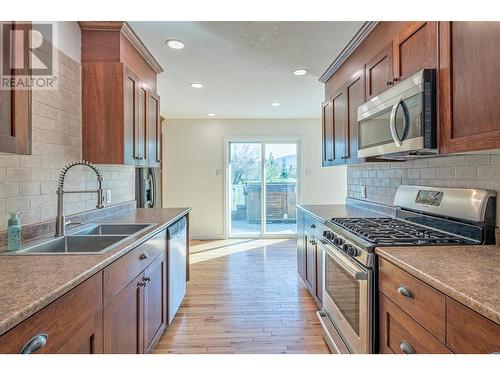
(391, 231)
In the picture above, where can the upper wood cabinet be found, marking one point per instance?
(469, 86)
(120, 107)
(414, 49)
(15, 104)
(378, 72)
(392, 52)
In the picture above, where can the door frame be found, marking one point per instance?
(227, 140)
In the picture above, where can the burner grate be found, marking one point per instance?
(395, 232)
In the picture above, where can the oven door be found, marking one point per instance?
(347, 299)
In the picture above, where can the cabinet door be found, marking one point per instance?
(355, 95)
(310, 257)
(15, 104)
(123, 320)
(301, 240)
(155, 302)
(339, 127)
(378, 73)
(140, 133)
(88, 339)
(327, 139)
(414, 49)
(130, 88)
(469, 86)
(154, 130)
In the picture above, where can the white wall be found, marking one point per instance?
(193, 174)
(69, 39)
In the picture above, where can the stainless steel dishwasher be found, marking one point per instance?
(176, 263)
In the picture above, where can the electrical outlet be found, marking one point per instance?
(108, 196)
(363, 191)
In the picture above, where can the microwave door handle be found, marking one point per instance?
(392, 124)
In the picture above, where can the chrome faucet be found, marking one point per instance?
(60, 219)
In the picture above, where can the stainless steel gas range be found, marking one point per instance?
(423, 216)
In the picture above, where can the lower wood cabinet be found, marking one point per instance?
(71, 324)
(135, 316)
(310, 255)
(416, 318)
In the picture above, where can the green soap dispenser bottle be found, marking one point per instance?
(14, 232)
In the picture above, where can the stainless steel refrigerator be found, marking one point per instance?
(148, 187)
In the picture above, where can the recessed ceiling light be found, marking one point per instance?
(275, 104)
(300, 72)
(175, 44)
(211, 115)
(196, 85)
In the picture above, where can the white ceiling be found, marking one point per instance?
(244, 66)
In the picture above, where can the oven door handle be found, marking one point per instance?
(392, 124)
(353, 272)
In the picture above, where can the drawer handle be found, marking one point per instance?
(146, 279)
(406, 348)
(35, 343)
(405, 292)
(143, 256)
(141, 283)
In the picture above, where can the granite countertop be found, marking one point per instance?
(468, 274)
(324, 212)
(28, 283)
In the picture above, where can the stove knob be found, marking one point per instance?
(325, 233)
(338, 241)
(352, 251)
(346, 247)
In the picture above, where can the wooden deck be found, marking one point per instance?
(244, 296)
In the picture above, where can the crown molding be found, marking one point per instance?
(129, 34)
(354, 43)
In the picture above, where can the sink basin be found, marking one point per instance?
(73, 245)
(112, 229)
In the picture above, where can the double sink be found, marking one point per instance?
(91, 239)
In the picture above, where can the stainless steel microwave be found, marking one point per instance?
(400, 123)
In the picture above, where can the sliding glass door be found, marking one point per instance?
(262, 189)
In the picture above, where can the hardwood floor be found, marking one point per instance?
(245, 296)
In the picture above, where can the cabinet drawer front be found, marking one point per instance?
(469, 332)
(60, 320)
(422, 302)
(400, 334)
(121, 272)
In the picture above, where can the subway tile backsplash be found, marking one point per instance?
(481, 171)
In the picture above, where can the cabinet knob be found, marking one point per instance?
(146, 279)
(141, 284)
(313, 226)
(405, 292)
(34, 344)
(143, 256)
(389, 83)
(406, 348)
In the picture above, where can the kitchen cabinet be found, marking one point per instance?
(71, 324)
(15, 104)
(155, 302)
(469, 85)
(301, 258)
(154, 130)
(123, 320)
(120, 107)
(416, 318)
(310, 254)
(378, 72)
(135, 298)
(401, 49)
(414, 49)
